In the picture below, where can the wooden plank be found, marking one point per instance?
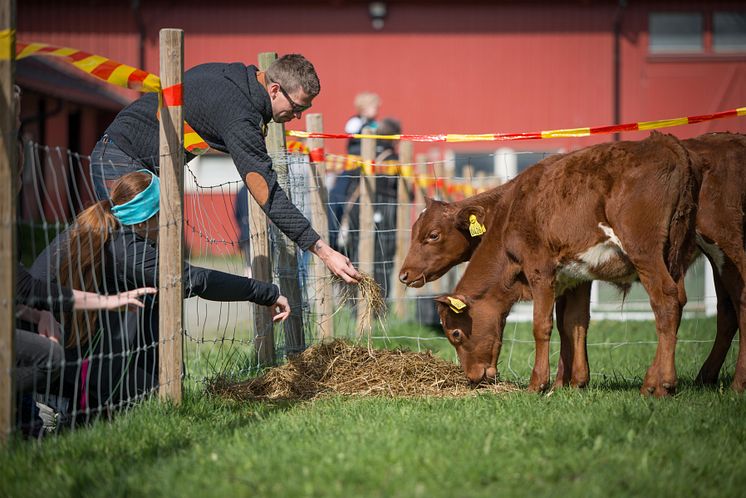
(171, 235)
(322, 283)
(403, 228)
(8, 195)
(287, 258)
(366, 236)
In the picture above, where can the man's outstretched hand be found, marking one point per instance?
(338, 263)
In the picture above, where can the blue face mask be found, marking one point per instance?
(141, 207)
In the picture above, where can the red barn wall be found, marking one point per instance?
(441, 67)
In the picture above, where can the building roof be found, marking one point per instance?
(54, 78)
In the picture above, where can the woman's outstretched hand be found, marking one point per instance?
(124, 300)
(280, 310)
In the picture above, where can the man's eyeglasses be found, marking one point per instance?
(296, 108)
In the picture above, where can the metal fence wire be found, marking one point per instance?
(110, 358)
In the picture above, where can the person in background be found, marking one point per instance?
(229, 106)
(241, 212)
(112, 247)
(367, 105)
(385, 204)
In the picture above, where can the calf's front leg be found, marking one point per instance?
(543, 304)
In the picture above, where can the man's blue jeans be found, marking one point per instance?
(108, 163)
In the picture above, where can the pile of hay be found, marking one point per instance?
(342, 368)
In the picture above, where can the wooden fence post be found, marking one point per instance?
(425, 177)
(261, 269)
(287, 260)
(171, 235)
(404, 187)
(366, 234)
(8, 197)
(323, 288)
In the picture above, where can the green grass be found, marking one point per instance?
(604, 440)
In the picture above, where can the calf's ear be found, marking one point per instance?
(471, 218)
(457, 302)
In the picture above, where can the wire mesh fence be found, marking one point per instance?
(109, 359)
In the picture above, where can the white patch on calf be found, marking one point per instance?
(603, 251)
(713, 251)
(611, 235)
(584, 267)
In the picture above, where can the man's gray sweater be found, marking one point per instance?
(228, 108)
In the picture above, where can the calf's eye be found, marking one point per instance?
(433, 236)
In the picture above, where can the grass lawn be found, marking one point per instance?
(604, 440)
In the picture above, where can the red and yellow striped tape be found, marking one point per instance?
(102, 68)
(114, 73)
(564, 133)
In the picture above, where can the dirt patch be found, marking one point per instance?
(339, 367)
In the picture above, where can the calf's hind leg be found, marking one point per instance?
(665, 299)
(727, 323)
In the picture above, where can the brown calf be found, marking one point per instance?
(442, 238)
(609, 212)
(720, 236)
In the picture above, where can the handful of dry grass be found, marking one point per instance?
(366, 294)
(341, 368)
(371, 294)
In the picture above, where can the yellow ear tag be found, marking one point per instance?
(457, 305)
(475, 228)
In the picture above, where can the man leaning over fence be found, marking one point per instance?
(229, 106)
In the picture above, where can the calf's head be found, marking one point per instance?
(441, 239)
(474, 328)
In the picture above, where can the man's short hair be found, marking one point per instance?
(293, 71)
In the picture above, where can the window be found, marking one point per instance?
(676, 32)
(729, 31)
(706, 33)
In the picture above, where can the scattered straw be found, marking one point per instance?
(341, 368)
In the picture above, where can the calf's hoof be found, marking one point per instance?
(538, 387)
(738, 385)
(579, 383)
(659, 391)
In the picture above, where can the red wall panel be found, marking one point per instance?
(441, 67)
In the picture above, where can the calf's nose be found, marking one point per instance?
(476, 376)
(403, 277)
